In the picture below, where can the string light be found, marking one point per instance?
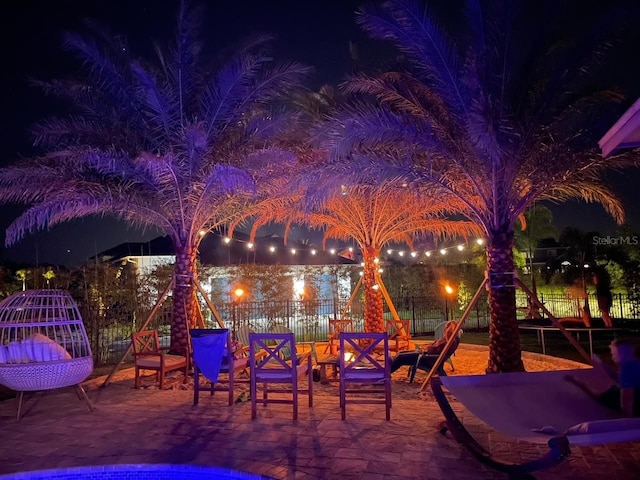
(333, 251)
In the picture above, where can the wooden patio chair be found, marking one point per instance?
(148, 355)
(272, 369)
(232, 364)
(336, 327)
(399, 332)
(364, 370)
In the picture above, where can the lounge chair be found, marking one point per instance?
(426, 361)
(438, 333)
(537, 407)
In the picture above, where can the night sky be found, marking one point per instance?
(315, 32)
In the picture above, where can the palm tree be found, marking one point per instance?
(485, 120)
(372, 216)
(173, 143)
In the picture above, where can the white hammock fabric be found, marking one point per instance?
(538, 406)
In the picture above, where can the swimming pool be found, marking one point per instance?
(137, 471)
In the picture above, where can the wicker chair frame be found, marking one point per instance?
(54, 314)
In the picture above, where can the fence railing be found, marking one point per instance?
(309, 320)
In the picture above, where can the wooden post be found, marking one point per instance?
(459, 324)
(152, 314)
(392, 308)
(554, 320)
(211, 306)
(353, 296)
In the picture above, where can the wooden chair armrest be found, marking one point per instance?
(260, 355)
(300, 357)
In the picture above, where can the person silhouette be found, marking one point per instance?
(602, 282)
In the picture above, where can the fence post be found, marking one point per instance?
(621, 309)
(413, 315)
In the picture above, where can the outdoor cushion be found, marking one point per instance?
(4, 354)
(17, 352)
(153, 361)
(604, 426)
(40, 348)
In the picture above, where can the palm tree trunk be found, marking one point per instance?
(184, 298)
(504, 337)
(373, 311)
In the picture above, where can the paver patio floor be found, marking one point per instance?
(153, 426)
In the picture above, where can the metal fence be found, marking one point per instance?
(309, 320)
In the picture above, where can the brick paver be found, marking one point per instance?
(152, 426)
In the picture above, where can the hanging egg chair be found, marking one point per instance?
(43, 343)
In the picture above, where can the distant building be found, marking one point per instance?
(223, 257)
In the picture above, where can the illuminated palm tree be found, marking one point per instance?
(173, 143)
(486, 121)
(373, 216)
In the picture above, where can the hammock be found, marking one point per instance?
(538, 407)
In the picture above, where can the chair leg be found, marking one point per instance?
(196, 385)
(310, 381)
(412, 373)
(254, 400)
(264, 394)
(20, 398)
(294, 387)
(137, 378)
(84, 396)
(161, 375)
(387, 400)
(230, 385)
